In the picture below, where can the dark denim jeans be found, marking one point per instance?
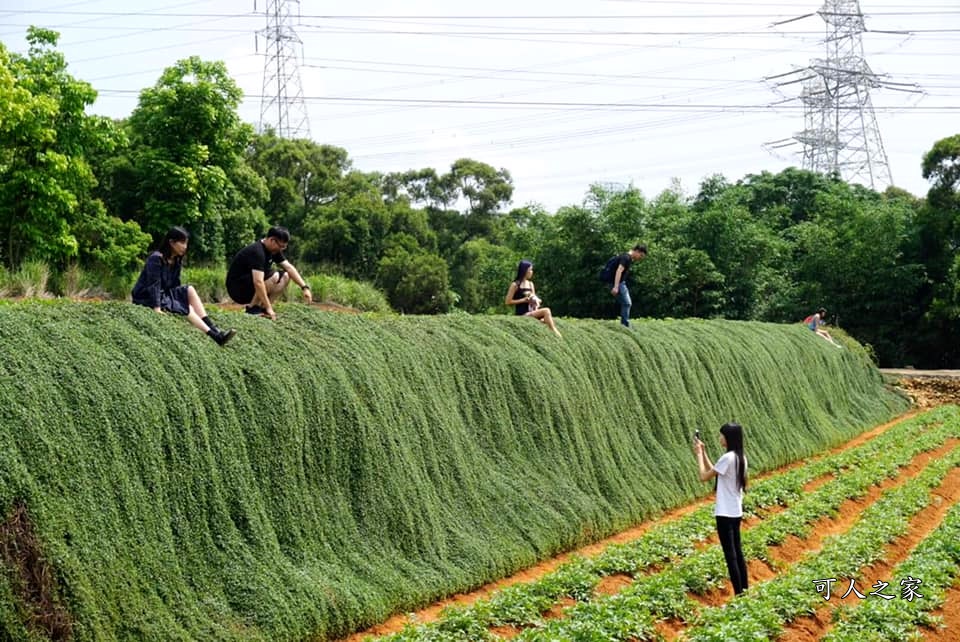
(623, 298)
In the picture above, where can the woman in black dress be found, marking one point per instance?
(159, 287)
(523, 296)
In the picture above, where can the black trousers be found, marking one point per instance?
(728, 528)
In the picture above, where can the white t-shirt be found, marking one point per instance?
(729, 496)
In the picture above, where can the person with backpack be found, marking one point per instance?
(615, 273)
(523, 296)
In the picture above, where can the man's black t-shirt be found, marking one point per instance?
(240, 276)
(626, 261)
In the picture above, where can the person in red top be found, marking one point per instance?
(816, 322)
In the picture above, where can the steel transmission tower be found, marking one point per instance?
(840, 132)
(281, 101)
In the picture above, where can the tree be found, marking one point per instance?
(786, 198)
(737, 244)
(939, 222)
(698, 285)
(485, 189)
(414, 281)
(46, 183)
(349, 232)
(419, 186)
(853, 258)
(483, 270)
(187, 146)
(300, 175)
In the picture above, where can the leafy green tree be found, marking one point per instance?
(941, 218)
(484, 270)
(422, 186)
(939, 221)
(108, 244)
(786, 198)
(698, 285)
(415, 282)
(572, 252)
(46, 183)
(485, 189)
(300, 175)
(853, 259)
(186, 155)
(349, 232)
(738, 245)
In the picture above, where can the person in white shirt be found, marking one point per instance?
(730, 473)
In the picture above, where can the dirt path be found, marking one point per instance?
(928, 388)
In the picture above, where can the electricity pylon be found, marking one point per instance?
(840, 133)
(281, 101)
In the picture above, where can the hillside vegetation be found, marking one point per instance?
(325, 470)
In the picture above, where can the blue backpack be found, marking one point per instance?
(609, 271)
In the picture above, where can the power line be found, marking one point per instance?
(515, 104)
(698, 16)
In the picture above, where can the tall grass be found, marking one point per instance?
(36, 279)
(30, 280)
(210, 285)
(326, 470)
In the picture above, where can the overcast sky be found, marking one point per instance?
(562, 93)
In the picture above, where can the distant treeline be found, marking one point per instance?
(82, 190)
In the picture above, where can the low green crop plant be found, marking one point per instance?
(672, 544)
(761, 612)
(936, 563)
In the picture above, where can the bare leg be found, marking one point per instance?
(826, 335)
(197, 321)
(544, 315)
(196, 305)
(276, 286)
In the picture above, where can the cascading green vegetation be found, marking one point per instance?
(324, 471)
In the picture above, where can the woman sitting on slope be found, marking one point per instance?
(523, 296)
(158, 286)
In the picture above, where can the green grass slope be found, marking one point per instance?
(324, 470)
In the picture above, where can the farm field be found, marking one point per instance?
(878, 516)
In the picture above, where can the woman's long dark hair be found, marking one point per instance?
(522, 270)
(174, 234)
(733, 433)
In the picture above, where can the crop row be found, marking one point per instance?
(935, 561)
(631, 613)
(856, 469)
(762, 612)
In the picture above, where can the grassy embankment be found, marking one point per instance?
(325, 470)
